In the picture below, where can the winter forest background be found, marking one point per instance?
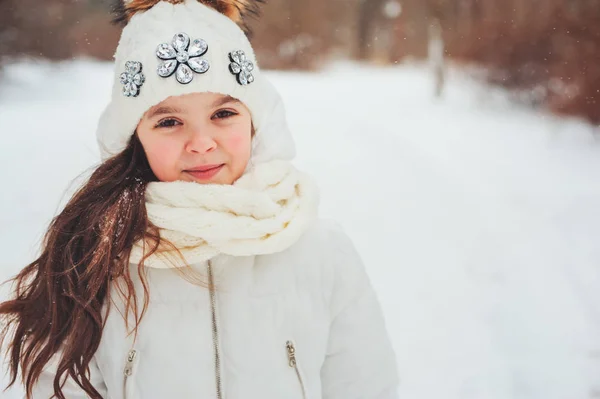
(551, 47)
(456, 141)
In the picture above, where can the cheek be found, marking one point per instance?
(162, 157)
(239, 145)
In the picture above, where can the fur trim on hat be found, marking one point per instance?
(239, 11)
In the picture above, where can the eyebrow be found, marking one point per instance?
(172, 110)
(224, 100)
(164, 110)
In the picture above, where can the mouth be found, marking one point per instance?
(205, 172)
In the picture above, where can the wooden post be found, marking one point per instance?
(436, 55)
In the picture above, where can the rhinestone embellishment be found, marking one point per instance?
(132, 79)
(182, 58)
(241, 67)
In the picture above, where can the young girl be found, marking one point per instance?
(192, 263)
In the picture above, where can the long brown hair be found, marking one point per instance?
(58, 299)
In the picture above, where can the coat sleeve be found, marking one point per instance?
(360, 362)
(44, 388)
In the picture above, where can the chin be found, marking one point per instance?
(218, 179)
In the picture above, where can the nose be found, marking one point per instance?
(201, 141)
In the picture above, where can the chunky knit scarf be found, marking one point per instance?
(263, 212)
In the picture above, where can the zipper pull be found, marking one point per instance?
(291, 351)
(129, 365)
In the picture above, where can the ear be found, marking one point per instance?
(239, 11)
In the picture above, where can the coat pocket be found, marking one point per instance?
(293, 363)
(128, 373)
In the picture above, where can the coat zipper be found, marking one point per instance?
(128, 372)
(292, 362)
(215, 331)
(132, 354)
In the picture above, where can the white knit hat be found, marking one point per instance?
(138, 86)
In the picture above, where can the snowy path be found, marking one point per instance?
(478, 221)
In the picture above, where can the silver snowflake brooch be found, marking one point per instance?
(181, 57)
(241, 67)
(132, 79)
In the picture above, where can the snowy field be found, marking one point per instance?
(478, 220)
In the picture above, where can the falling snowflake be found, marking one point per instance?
(392, 9)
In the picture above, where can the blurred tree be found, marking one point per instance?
(368, 13)
(548, 47)
(547, 50)
(60, 29)
(8, 27)
(304, 34)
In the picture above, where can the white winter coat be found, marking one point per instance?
(303, 323)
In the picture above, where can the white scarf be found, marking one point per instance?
(263, 212)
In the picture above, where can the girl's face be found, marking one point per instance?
(200, 137)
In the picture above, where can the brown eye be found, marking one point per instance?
(223, 114)
(167, 123)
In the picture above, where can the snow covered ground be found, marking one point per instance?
(478, 220)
